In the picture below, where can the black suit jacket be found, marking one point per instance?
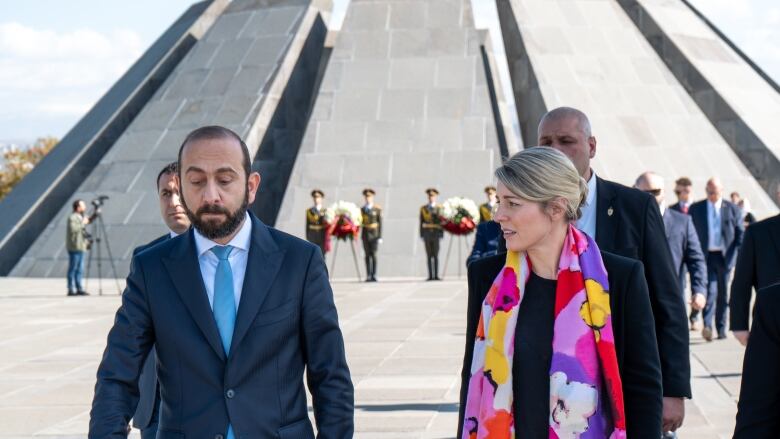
(286, 322)
(635, 341)
(686, 250)
(758, 266)
(732, 228)
(147, 382)
(758, 410)
(628, 223)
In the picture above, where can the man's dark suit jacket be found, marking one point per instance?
(758, 266)
(147, 383)
(635, 341)
(286, 322)
(731, 228)
(758, 411)
(686, 250)
(486, 241)
(628, 223)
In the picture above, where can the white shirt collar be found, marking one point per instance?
(716, 204)
(663, 208)
(241, 241)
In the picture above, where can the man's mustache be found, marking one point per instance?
(213, 209)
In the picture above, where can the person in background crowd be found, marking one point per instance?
(371, 233)
(431, 232)
(759, 393)
(76, 244)
(683, 188)
(627, 222)
(316, 223)
(683, 241)
(486, 209)
(719, 225)
(758, 266)
(747, 215)
(174, 216)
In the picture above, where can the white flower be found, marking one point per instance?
(571, 404)
(345, 208)
(455, 205)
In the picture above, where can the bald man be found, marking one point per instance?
(683, 241)
(627, 222)
(719, 225)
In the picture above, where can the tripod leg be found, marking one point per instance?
(110, 256)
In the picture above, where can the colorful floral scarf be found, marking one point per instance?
(584, 363)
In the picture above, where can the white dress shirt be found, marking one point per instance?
(238, 259)
(587, 223)
(715, 237)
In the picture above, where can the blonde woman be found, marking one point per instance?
(560, 338)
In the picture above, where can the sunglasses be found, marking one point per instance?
(654, 192)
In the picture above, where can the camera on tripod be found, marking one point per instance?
(97, 203)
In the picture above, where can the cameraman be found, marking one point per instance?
(76, 239)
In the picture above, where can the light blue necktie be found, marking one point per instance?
(224, 303)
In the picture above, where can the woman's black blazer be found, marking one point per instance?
(632, 324)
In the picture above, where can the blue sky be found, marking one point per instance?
(58, 57)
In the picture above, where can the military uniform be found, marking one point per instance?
(485, 212)
(371, 234)
(486, 209)
(316, 227)
(431, 233)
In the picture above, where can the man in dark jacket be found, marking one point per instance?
(683, 241)
(719, 225)
(627, 222)
(758, 266)
(175, 218)
(759, 394)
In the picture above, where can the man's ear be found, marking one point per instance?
(252, 185)
(592, 146)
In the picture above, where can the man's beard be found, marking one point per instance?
(213, 229)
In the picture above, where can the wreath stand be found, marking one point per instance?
(462, 239)
(354, 258)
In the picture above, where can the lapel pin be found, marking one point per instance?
(610, 211)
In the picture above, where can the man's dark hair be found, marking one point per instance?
(683, 181)
(171, 168)
(216, 132)
(76, 204)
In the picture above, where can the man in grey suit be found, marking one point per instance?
(234, 332)
(175, 218)
(687, 255)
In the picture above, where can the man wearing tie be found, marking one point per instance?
(627, 222)
(683, 188)
(719, 225)
(234, 332)
(174, 216)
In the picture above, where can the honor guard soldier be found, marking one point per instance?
(486, 209)
(316, 224)
(431, 232)
(372, 232)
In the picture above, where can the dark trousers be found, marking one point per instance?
(717, 291)
(75, 271)
(432, 253)
(370, 247)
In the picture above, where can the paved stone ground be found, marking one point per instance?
(404, 342)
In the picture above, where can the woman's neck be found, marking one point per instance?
(546, 255)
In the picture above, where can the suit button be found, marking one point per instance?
(219, 436)
(230, 393)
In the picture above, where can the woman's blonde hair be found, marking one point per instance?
(542, 174)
